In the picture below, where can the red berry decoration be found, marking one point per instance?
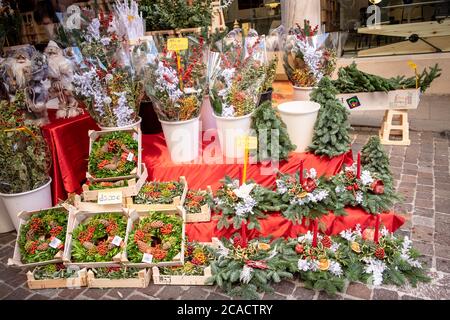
(299, 248)
(379, 253)
(377, 187)
(309, 185)
(326, 242)
(238, 242)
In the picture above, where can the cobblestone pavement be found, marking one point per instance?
(422, 175)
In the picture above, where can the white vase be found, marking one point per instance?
(206, 116)
(182, 139)
(300, 117)
(302, 93)
(36, 199)
(6, 224)
(230, 130)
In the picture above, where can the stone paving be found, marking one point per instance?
(422, 175)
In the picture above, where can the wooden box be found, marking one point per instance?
(177, 201)
(73, 283)
(95, 207)
(203, 216)
(74, 220)
(137, 134)
(141, 281)
(178, 259)
(16, 260)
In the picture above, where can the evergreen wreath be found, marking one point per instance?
(37, 234)
(159, 192)
(92, 239)
(109, 156)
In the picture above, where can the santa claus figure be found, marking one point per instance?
(18, 70)
(60, 72)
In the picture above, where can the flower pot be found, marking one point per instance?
(300, 117)
(206, 116)
(6, 224)
(182, 139)
(36, 199)
(150, 123)
(266, 96)
(134, 125)
(230, 129)
(302, 93)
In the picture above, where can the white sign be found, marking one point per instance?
(109, 197)
(117, 241)
(55, 243)
(130, 156)
(147, 258)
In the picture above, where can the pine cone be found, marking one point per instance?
(104, 222)
(88, 245)
(143, 247)
(157, 224)
(379, 253)
(42, 246)
(166, 245)
(30, 235)
(92, 251)
(326, 242)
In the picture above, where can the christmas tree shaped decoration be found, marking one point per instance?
(264, 120)
(331, 129)
(375, 159)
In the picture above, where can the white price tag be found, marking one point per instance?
(109, 197)
(147, 258)
(130, 156)
(117, 241)
(135, 136)
(55, 243)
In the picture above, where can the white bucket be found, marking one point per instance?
(300, 117)
(302, 93)
(206, 115)
(36, 199)
(134, 125)
(6, 224)
(229, 130)
(182, 139)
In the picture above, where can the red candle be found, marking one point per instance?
(377, 227)
(314, 241)
(358, 166)
(244, 234)
(301, 172)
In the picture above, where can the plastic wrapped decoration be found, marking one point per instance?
(175, 81)
(309, 56)
(237, 74)
(274, 43)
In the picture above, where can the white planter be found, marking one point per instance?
(134, 125)
(206, 116)
(302, 93)
(6, 224)
(36, 199)
(182, 139)
(300, 117)
(229, 130)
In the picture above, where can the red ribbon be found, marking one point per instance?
(377, 227)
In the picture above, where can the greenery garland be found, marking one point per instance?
(92, 239)
(158, 234)
(109, 155)
(159, 192)
(195, 200)
(39, 231)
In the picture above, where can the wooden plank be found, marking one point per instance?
(423, 29)
(141, 281)
(379, 100)
(204, 215)
(408, 47)
(180, 280)
(75, 282)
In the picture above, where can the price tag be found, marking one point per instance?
(147, 258)
(55, 243)
(249, 141)
(117, 241)
(130, 156)
(109, 197)
(135, 136)
(177, 44)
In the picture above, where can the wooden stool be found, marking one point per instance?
(395, 123)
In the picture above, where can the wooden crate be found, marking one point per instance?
(177, 201)
(178, 260)
(95, 207)
(75, 219)
(73, 283)
(131, 190)
(141, 281)
(136, 132)
(16, 260)
(203, 216)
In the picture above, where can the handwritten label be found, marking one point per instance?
(117, 241)
(165, 279)
(109, 197)
(177, 44)
(55, 243)
(248, 141)
(130, 156)
(147, 258)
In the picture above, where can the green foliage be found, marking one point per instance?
(331, 130)
(159, 192)
(196, 199)
(265, 119)
(375, 159)
(271, 70)
(175, 14)
(54, 271)
(115, 272)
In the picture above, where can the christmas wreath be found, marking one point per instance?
(195, 200)
(158, 234)
(391, 260)
(54, 271)
(159, 192)
(368, 191)
(196, 258)
(113, 155)
(43, 235)
(246, 202)
(99, 238)
(115, 272)
(304, 195)
(245, 269)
